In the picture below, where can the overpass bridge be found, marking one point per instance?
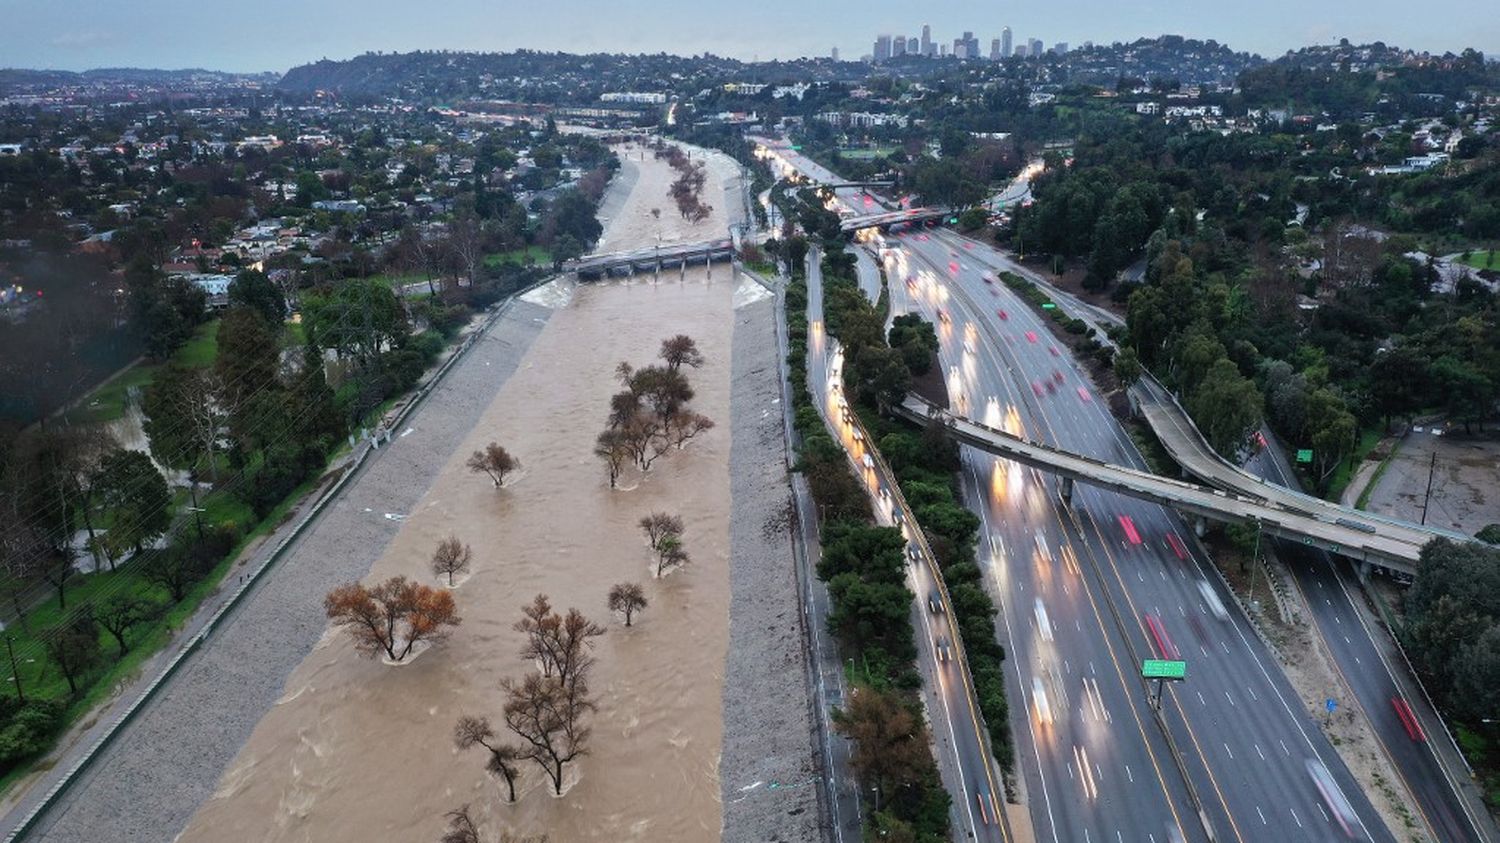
(1188, 447)
(652, 259)
(1384, 546)
(890, 218)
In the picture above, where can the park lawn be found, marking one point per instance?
(528, 255)
(1484, 259)
(866, 154)
(1368, 439)
(107, 402)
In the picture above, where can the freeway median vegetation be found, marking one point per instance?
(864, 567)
(925, 462)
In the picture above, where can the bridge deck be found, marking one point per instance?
(1393, 549)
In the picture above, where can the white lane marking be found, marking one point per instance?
(1258, 752)
(1283, 747)
(1262, 815)
(1295, 817)
(1230, 751)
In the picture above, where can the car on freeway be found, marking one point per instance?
(1131, 533)
(1043, 623)
(1408, 719)
(1164, 647)
(1177, 546)
(867, 461)
(935, 603)
(969, 345)
(1004, 317)
(944, 652)
(1041, 548)
(1084, 394)
(1211, 599)
(1031, 336)
(1039, 701)
(1339, 809)
(943, 316)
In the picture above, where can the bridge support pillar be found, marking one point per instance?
(1364, 572)
(1200, 526)
(709, 265)
(1065, 489)
(682, 271)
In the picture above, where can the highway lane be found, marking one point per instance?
(1093, 764)
(1056, 404)
(1330, 587)
(964, 762)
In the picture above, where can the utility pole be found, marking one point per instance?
(1431, 469)
(10, 647)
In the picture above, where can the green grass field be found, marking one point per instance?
(528, 255)
(1484, 259)
(866, 154)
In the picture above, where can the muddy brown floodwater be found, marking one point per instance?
(356, 750)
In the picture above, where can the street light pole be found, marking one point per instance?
(10, 647)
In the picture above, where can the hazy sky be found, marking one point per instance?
(277, 34)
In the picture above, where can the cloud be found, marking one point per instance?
(85, 40)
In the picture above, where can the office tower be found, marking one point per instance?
(1035, 47)
(882, 48)
(1088, 45)
(912, 47)
(1061, 48)
(943, 50)
(898, 47)
(1005, 43)
(1020, 52)
(926, 39)
(835, 54)
(994, 49)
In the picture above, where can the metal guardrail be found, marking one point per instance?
(29, 821)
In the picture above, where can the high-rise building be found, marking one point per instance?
(1035, 47)
(926, 39)
(898, 47)
(834, 54)
(913, 48)
(1020, 52)
(1005, 43)
(943, 50)
(1061, 48)
(882, 50)
(994, 49)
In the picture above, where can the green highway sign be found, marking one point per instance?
(1304, 455)
(1163, 669)
(1048, 306)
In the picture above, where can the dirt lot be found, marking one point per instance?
(1465, 476)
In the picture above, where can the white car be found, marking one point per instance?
(867, 460)
(1039, 700)
(1043, 623)
(1211, 598)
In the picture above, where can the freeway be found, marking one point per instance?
(962, 752)
(1423, 755)
(1094, 763)
(1257, 762)
(1429, 766)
